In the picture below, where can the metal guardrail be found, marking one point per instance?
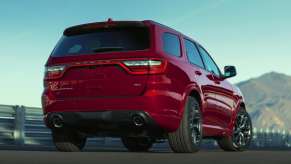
(35, 132)
(7, 125)
(23, 128)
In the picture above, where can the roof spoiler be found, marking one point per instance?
(91, 27)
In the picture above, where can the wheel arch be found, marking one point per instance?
(194, 91)
(242, 105)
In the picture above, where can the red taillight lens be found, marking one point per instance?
(151, 66)
(54, 72)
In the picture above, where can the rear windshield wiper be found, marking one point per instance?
(106, 49)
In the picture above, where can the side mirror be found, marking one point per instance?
(229, 71)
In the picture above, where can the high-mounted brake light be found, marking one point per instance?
(54, 72)
(151, 66)
(109, 20)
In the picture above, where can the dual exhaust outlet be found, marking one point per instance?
(57, 121)
(138, 120)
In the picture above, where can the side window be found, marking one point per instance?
(193, 53)
(209, 63)
(171, 44)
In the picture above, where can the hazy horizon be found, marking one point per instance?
(252, 35)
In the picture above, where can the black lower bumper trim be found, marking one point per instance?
(106, 123)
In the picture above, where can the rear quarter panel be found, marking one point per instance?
(181, 80)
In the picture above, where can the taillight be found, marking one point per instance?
(54, 72)
(151, 66)
(132, 66)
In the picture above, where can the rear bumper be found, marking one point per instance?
(161, 108)
(110, 123)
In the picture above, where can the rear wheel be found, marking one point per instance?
(137, 144)
(68, 141)
(188, 137)
(242, 134)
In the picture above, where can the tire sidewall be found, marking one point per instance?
(69, 137)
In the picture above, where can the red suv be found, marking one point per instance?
(143, 82)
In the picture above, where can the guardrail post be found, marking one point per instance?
(107, 141)
(19, 125)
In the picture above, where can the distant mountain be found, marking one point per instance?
(268, 100)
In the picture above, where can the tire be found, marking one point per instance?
(242, 134)
(137, 144)
(67, 141)
(188, 137)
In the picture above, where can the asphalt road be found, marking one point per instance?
(108, 157)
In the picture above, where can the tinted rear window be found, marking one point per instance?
(171, 44)
(193, 53)
(103, 40)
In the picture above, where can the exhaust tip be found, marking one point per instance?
(138, 120)
(57, 121)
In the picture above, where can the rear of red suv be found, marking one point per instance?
(116, 79)
(96, 81)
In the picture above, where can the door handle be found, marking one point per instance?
(198, 73)
(213, 78)
(217, 82)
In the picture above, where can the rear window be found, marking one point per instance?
(171, 44)
(193, 53)
(103, 40)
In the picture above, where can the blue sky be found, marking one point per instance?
(254, 35)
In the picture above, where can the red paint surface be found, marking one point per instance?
(101, 82)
